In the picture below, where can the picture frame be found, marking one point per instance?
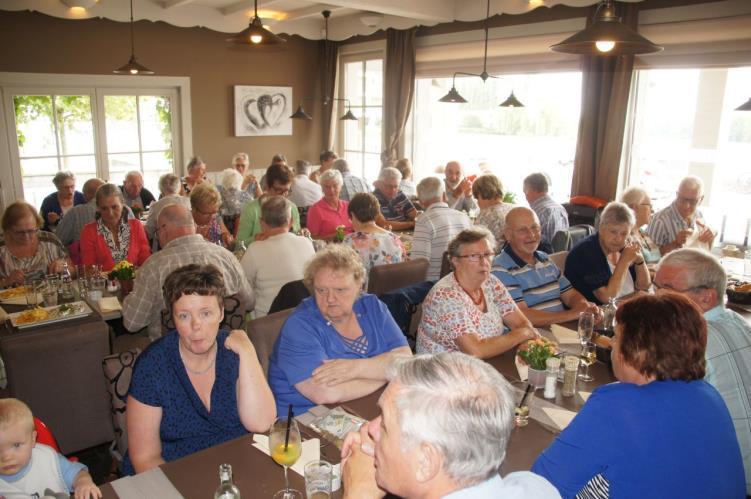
(262, 110)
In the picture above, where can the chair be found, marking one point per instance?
(445, 264)
(44, 434)
(290, 295)
(235, 312)
(564, 240)
(118, 371)
(385, 278)
(263, 333)
(559, 259)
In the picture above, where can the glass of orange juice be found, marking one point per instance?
(285, 451)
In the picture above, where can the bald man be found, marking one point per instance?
(458, 188)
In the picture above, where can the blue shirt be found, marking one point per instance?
(553, 217)
(518, 485)
(587, 267)
(395, 209)
(50, 204)
(540, 285)
(307, 339)
(662, 439)
(160, 380)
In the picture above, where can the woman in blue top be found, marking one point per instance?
(337, 344)
(197, 386)
(662, 431)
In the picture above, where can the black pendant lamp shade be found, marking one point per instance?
(512, 101)
(256, 34)
(745, 106)
(132, 67)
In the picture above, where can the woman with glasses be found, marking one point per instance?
(25, 251)
(205, 202)
(330, 212)
(112, 237)
(57, 204)
(638, 200)
(468, 308)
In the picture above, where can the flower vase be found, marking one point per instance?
(126, 286)
(536, 377)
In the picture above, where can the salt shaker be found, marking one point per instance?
(571, 365)
(552, 366)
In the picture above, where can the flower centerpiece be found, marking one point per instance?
(535, 353)
(124, 272)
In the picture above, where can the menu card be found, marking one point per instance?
(564, 335)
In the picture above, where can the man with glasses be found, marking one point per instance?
(536, 284)
(699, 276)
(682, 223)
(279, 182)
(397, 211)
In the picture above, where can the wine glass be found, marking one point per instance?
(588, 357)
(586, 325)
(285, 452)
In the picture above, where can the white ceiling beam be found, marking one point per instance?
(311, 11)
(168, 4)
(423, 10)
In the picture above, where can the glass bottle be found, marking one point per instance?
(66, 284)
(226, 489)
(608, 317)
(240, 249)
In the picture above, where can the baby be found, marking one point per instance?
(29, 469)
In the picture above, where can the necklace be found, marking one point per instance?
(202, 371)
(476, 301)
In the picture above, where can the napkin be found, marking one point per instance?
(152, 483)
(585, 395)
(564, 335)
(3, 315)
(21, 300)
(560, 417)
(311, 451)
(109, 304)
(521, 368)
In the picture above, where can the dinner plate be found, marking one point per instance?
(14, 296)
(56, 313)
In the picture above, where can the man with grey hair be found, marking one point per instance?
(437, 226)
(700, 277)
(351, 184)
(304, 192)
(134, 193)
(458, 188)
(443, 430)
(397, 210)
(553, 216)
(69, 228)
(180, 246)
(261, 262)
(682, 223)
(169, 186)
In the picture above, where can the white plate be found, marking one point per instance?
(80, 309)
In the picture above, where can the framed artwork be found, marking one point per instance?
(262, 111)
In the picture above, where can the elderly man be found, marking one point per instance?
(437, 226)
(304, 192)
(69, 229)
(261, 262)
(327, 162)
(536, 284)
(241, 163)
(682, 223)
(134, 193)
(698, 275)
(552, 215)
(397, 210)
(169, 186)
(180, 246)
(351, 184)
(458, 188)
(279, 182)
(444, 425)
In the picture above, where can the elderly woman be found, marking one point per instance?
(375, 245)
(337, 344)
(196, 386)
(204, 203)
(57, 204)
(639, 201)
(330, 212)
(169, 187)
(112, 237)
(662, 431)
(196, 175)
(467, 309)
(488, 191)
(241, 163)
(25, 251)
(609, 264)
(234, 198)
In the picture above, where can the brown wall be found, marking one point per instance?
(36, 43)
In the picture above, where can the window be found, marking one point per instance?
(362, 139)
(509, 142)
(683, 122)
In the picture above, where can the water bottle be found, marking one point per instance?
(66, 284)
(226, 489)
(608, 317)
(240, 249)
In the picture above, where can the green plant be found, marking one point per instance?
(509, 198)
(536, 352)
(123, 271)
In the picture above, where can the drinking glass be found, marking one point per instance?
(285, 453)
(49, 293)
(33, 288)
(523, 407)
(588, 357)
(586, 325)
(318, 480)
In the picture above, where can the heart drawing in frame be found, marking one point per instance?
(262, 110)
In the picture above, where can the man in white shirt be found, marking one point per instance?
(444, 425)
(304, 192)
(437, 226)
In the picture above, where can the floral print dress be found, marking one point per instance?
(380, 248)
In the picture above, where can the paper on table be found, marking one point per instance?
(560, 417)
(109, 304)
(585, 395)
(20, 300)
(564, 335)
(522, 369)
(152, 483)
(3, 315)
(311, 451)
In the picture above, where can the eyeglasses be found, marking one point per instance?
(476, 257)
(690, 201)
(535, 229)
(207, 214)
(25, 233)
(670, 288)
(281, 191)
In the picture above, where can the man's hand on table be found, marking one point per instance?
(358, 468)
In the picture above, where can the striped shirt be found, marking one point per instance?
(396, 208)
(352, 185)
(540, 285)
(553, 217)
(668, 222)
(434, 230)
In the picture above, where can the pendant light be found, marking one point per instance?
(300, 114)
(132, 67)
(511, 101)
(348, 116)
(607, 35)
(745, 106)
(256, 34)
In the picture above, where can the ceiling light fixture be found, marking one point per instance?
(746, 106)
(511, 101)
(256, 34)
(79, 4)
(132, 67)
(607, 35)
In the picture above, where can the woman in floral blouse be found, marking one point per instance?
(376, 246)
(205, 202)
(488, 191)
(467, 309)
